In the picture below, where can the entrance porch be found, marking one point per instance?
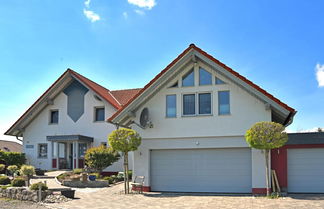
(68, 150)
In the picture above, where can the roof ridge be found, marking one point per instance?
(125, 89)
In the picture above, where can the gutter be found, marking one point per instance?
(290, 118)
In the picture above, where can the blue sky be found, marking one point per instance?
(125, 43)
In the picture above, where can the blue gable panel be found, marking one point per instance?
(75, 105)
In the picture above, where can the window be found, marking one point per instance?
(171, 106)
(42, 150)
(188, 79)
(99, 114)
(174, 85)
(223, 103)
(189, 107)
(219, 81)
(82, 149)
(54, 116)
(204, 103)
(205, 77)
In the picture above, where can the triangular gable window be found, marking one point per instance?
(219, 81)
(188, 79)
(174, 85)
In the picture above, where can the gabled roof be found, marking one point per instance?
(40, 103)
(124, 95)
(215, 61)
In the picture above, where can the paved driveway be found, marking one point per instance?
(112, 198)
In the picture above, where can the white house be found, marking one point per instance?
(68, 119)
(192, 118)
(199, 110)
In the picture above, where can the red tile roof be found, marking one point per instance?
(192, 46)
(124, 95)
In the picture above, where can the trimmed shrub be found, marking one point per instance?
(12, 169)
(4, 180)
(77, 171)
(2, 167)
(36, 185)
(27, 170)
(98, 158)
(18, 182)
(130, 174)
(109, 179)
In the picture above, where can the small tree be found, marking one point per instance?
(266, 136)
(124, 140)
(98, 158)
(12, 169)
(28, 171)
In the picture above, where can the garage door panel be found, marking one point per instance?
(201, 170)
(306, 170)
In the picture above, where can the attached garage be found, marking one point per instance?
(227, 170)
(306, 170)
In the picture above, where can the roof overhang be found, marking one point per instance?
(281, 112)
(65, 138)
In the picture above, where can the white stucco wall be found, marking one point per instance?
(211, 131)
(39, 128)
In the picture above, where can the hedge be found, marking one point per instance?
(13, 158)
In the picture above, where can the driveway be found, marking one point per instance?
(113, 198)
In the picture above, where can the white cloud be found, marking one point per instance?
(320, 75)
(87, 3)
(140, 12)
(147, 4)
(125, 14)
(93, 17)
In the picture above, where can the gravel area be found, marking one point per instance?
(16, 204)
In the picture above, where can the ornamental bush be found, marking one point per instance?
(98, 158)
(77, 171)
(18, 182)
(35, 186)
(4, 180)
(12, 169)
(2, 167)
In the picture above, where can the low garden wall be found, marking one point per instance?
(83, 184)
(22, 193)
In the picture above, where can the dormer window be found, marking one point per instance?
(54, 117)
(205, 77)
(188, 79)
(99, 114)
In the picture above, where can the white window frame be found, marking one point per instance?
(211, 102)
(197, 103)
(50, 116)
(166, 106)
(38, 150)
(218, 103)
(95, 114)
(211, 74)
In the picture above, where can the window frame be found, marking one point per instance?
(182, 104)
(50, 116)
(229, 102)
(211, 77)
(192, 70)
(38, 150)
(211, 103)
(95, 114)
(166, 106)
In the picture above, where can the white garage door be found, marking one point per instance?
(202, 170)
(306, 170)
